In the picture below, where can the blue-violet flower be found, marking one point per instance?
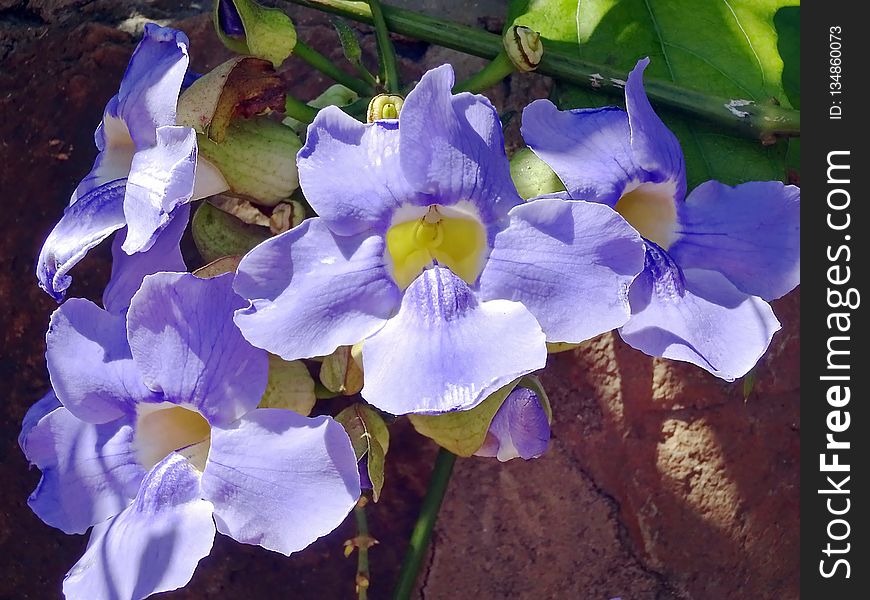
(146, 171)
(152, 436)
(712, 258)
(425, 253)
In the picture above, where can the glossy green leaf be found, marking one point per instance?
(726, 48)
(290, 386)
(370, 437)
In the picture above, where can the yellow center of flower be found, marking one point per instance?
(165, 427)
(650, 209)
(450, 238)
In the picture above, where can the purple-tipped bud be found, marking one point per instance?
(229, 20)
(520, 428)
(365, 482)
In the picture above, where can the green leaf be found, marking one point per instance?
(369, 436)
(349, 43)
(290, 387)
(462, 432)
(725, 48)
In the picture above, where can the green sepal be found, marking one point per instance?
(463, 433)
(218, 234)
(269, 32)
(532, 176)
(369, 436)
(290, 386)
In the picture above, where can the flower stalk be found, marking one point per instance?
(754, 120)
(422, 534)
(386, 51)
(328, 68)
(299, 110)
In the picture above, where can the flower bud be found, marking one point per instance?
(245, 27)
(218, 234)
(257, 159)
(524, 47)
(384, 106)
(520, 428)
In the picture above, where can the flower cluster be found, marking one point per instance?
(423, 258)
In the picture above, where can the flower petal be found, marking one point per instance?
(589, 149)
(697, 316)
(350, 172)
(38, 409)
(161, 179)
(280, 480)
(750, 233)
(89, 472)
(183, 340)
(84, 224)
(569, 263)
(447, 351)
(520, 428)
(128, 270)
(656, 149)
(329, 291)
(451, 147)
(149, 91)
(89, 362)
(154, 545)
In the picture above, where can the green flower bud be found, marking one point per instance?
(384, 106)
(532, 176)
(524, 47)
(245, 27)
(218, 234)
(257, 158)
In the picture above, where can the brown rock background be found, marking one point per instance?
(661, 482)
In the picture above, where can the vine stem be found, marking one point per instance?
(299, 110)
(362, 565)
(494, 72)
(328, 68)
(761, 121)
(422, 534)
(386, 51)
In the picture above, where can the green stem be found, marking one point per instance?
(362, 563)
(499, 68)
(328, 68)
(760, 121)
(299, 110)
(422, 533)
(386, 51)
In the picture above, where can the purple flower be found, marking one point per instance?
(152, 436)
(520, 428)
(146, 170)
(425, 252)
(712, 258)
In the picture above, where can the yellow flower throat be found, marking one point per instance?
(455, 242)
